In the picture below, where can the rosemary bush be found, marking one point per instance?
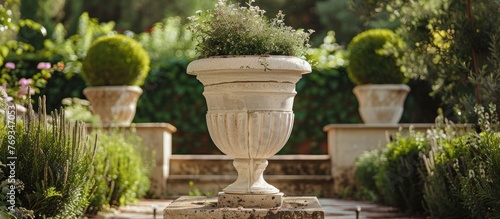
(53, 165)
(449, 172)
(231, 29)
(462, 170)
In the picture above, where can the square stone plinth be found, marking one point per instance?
(200, 207)
(225, 200)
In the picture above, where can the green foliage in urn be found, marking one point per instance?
(232, 29)
(372, 58)
(115, 60)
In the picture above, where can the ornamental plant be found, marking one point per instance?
(115, 60)
(232, 29)
(372, 58)
(23, 76)
(53, 164)
(121, 169)
(453, 44)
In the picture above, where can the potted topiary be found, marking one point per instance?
(249, 67)
(114, 68)
(381, 89)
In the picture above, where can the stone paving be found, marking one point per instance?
(334, 209)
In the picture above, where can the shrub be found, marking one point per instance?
(76, 109)
(121, 170)
(231, 29)
(53, 165)
(449, 173)
(462, 171)
(399, 179)
(441, 162)
(367, 167)
(371, 59)
(115, 60)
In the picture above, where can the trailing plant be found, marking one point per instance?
(372, 58)
(52, 166)
(231, 29)
(121, 169)
(115, 60)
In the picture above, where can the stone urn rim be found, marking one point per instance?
(115, 105)
(249, 63)
(116, 87)
(381, 103)
(383, 86)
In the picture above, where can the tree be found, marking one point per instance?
(455, 44)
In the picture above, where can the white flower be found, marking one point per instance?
(471, 174)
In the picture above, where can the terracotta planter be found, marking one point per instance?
(250, 115)
(381, 103)
(113, 104)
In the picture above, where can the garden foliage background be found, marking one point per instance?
(452, 53)
(170, 95)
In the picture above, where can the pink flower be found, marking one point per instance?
(6, 97)
(23, 82)
(10, 65)
(24, 87)
(44, 65)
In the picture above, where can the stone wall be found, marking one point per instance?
(209, 174)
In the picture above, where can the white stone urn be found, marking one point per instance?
(250, 117)
(115, 105)
(381, 103)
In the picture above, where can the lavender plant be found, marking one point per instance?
(232, 29)
(53, 164)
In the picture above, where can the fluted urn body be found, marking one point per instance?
(381, 103)
(250, 116)
(114, 104)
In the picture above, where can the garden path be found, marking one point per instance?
(334, 209)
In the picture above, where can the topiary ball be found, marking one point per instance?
(115, 60)
(370, 62)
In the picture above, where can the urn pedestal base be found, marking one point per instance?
(200, 207)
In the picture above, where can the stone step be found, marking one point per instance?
(209, 174)
(222, 164)
(295, 185)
